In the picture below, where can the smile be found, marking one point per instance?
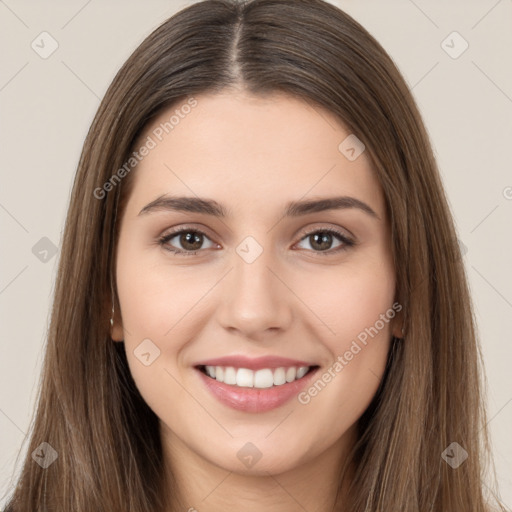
(254, 384)
(260, 379)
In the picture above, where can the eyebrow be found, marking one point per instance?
(292, 209)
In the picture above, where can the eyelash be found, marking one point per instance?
(347, 242)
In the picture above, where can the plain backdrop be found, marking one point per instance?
(47, 105)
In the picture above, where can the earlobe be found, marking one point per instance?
(116, 332)
(398, 325)
(116, 325)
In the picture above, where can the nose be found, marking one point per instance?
(255, 299)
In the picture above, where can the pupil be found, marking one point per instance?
(189, 238)
(324, 240)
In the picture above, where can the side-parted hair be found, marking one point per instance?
(89, 409)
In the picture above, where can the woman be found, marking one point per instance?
(202, 355)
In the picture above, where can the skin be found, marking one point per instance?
(253, 155)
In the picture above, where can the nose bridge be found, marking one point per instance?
(254, 300)
(252, 276)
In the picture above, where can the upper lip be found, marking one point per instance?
(254, 363)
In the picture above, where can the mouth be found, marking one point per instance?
(255, 390)
(258, 379)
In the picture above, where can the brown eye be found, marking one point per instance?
(190, 240)
(321, 241)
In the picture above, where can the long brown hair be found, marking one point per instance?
(89, 409)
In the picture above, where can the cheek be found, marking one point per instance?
(356, 306)
(350, 301)
(156, 298)
(156, 304)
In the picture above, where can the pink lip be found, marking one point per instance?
(254, 363)
(252, 399)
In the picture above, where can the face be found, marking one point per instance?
(256, 294)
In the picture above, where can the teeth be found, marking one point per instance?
(301, 372)
(244, 378)
(230, 375)
(261, 379)
(291, 373)
(279, 376)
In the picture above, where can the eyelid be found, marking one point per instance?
(200, 228)
(318, 226)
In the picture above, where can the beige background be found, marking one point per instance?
(48, 104)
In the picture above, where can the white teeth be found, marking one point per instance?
(279, 376)
(244, 378)
(261, 379)
(302, 371)
(230, 375)
(291, 373)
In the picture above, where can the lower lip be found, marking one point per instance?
(255, 399)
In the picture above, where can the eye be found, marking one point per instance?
(190, 240)
(321, 238)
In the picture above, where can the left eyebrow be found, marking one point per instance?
(292, 209)
(297, 208)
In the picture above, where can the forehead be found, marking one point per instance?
(248, 150)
